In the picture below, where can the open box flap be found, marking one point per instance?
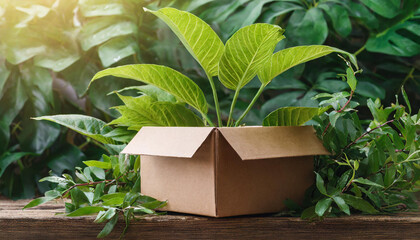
(252, 143)
(168, 141)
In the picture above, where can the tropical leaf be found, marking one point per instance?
(4, 74)
(116, 49)
(246, 52)
(291, 116)
(100, 30)
(196, 35)
(85, 125)
(388, 9)
(307, 27)
(145, 111)
(290, 57)
(400, 40)
(165, 78)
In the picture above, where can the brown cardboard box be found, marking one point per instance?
(223, 172)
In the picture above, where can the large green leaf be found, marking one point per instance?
(196, 35)
(97, 8)
(388, 8)
(165, 78)
(246, 52)
(85, 125)
(291, 116)
(102, 29)
(307, 27)
(36, 136)
(11, 104)
(9, 158)
(339, 18)
(116, 49)
(59, 60)
(287, 58)
(4, 74)
(399, 40)
(145, 111)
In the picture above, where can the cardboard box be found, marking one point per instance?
(223, 172)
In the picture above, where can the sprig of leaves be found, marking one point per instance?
(371, 170)
(108, 188)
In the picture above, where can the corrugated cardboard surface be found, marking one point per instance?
(253, 143)
(251, 187)
(187, 183)
(168, 141)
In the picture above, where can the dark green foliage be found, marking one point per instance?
(49, 50)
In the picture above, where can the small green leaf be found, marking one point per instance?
(389, 175)
(320, 184)
(108, 227)
(99, 164)
(351, 79)
(309, 213)
(342, 204)
(367, 182)
(50, 195)
(291, 116)
(322, 206)
(99, 192)
(343, 180)
(105, 215)
(359, 204)
(407, 101)
(85, 211)
(54, 179)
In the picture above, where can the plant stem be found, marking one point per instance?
(257, 95)
(232, 107)
(216, 100)
(360, 50)
(409, 76)
(367, 132)
(207, 119)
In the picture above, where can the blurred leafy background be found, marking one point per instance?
(50, 49)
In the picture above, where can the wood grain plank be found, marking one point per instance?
(42, 223)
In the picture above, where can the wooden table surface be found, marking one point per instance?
(43, 223)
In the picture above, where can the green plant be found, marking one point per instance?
(349, 25)
(108, 188)
(373, 171)
(247, 53)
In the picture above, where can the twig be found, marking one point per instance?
(367, 132)
(85, 184)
